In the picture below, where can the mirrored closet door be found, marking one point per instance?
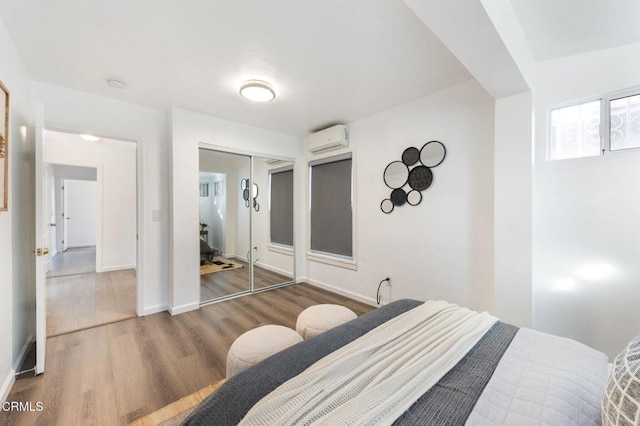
(246, 224)
(224, 225)
(272, 236)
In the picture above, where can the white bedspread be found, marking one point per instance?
(402, 358)
(543, 379)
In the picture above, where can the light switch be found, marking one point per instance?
(156, 215)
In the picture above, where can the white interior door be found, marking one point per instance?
(65, 237)
(81, 211)
(41, 249)
(49, 221)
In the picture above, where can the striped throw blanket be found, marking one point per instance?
(355, 384)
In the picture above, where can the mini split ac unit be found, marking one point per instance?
(325, 140)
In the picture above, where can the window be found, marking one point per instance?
(204, 189)
(624, 125)
(331, 214)
(595, 127)
(281, 207)
(575, 131)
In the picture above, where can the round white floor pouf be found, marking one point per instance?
(257, 344)
(320, 318)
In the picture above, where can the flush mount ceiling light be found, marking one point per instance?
(257, 91)
(116, 84)
(90, 138)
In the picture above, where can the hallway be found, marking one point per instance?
(79, 298)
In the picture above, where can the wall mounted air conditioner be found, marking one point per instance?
(328, 139)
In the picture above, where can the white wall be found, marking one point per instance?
(17, 263)
(115, 162)
(81, 210)
(585, 214)
(512, 209)
(443, 248)
(71, 110)
(190, 129)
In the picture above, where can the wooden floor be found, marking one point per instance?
(78, 260)
(226, 283)
(75, 302)
(117, 373)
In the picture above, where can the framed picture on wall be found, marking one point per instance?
(4, 147)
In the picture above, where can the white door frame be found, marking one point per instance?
(40, 243)
(40, 275)
(99, 219)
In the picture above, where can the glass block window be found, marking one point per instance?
(624, 123)
(575, 131)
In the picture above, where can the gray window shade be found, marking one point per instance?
(281, 214)
(331, 216)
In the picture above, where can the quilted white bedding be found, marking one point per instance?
(544, 379)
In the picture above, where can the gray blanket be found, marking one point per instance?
(449, 402)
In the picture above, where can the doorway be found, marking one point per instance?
(92, 231)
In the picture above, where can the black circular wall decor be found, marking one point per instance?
(398, 197)
(414, 170)
(386, 206)
(245, 194)
(432, 154)
(420, 178)
(410, 156)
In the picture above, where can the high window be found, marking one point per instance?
(595, 127)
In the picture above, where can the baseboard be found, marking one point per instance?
(11, 379)
(80, 245)
(154, 309)
(274, 269)
(23, 353)
(116, 268)
(7, 385)
(337, 290)
(177, 310)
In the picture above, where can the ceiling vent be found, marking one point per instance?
(328, 139)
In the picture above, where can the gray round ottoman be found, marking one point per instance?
(257, 344)
(319, 318)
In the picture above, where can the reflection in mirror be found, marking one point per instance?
(414, 197)
(273, 224)
(396, 174)
(433, 153)
(386, 206)
(224, 241)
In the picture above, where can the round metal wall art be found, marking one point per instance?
(398, 197)
(414, 197)
(411, 156)
(396, 174)
(415, 170)
(386, 206)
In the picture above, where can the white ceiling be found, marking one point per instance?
(329, 60)
(556, 28)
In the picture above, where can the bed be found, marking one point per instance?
(504, 375)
